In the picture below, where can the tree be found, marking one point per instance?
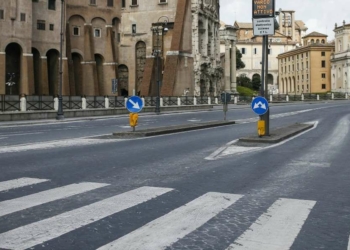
(256, 82)
(244, 81)
(239, 63)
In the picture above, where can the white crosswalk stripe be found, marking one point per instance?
(21, 182)
(276, 229)
(41, 231)
(167, 229)
(15, 205)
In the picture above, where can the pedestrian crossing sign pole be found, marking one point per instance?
(264, 24)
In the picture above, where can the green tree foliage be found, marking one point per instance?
(256, 82)
(244, 81)
(239, 63)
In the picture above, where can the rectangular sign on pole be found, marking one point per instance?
(264, 26)
(114, 86)
(263, 8)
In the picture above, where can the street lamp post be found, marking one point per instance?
(159, 28)
(60, 115)
(11, 81)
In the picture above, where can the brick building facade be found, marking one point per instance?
(107, 39)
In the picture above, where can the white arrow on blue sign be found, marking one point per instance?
(134, 104)
(260, 105)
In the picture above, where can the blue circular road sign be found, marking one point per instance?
(134, 104)
(260, 105)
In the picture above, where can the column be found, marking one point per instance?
(233, 67)
(109, 67)
(227, 66)
(89, 76)
(293, 26)
(281, 23)
(44, 79)
(26, 83)
(65, 77)
(2, 72)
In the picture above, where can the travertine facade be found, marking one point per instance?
(30, 45)
(306, 69)
(341, 59)
(107, 39)
(286, 38)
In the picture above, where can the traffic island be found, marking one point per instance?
(170, 129)
(276, 135)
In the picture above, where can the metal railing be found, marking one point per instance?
(278, 98)
(116, 101)
(203, 100)
(72, 102)
(187, 100)
(95, 102)
(150, 101)
(40, 102)
(9, 103)
(309, 97)
(169, 101)
(339, 95)
(34, 103)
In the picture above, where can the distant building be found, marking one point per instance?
(286, 38)
(341, 59)
(190, 56)
(111, 39)
(306, 69)
(30, 45)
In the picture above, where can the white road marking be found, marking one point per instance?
(348, 244)
(21, 182)
(277, 228)
(230, 149)
(169, 228)
(254, 119)
(20, 134)
(36, 233)
(55, 144)
(15, 205)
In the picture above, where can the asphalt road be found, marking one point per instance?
(61, 189)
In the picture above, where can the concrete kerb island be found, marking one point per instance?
(277, 135)
(171, 129)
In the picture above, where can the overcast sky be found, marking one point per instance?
(318, 15)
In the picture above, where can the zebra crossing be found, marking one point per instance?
(276, 229)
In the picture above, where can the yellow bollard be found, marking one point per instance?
(133, 117)
(261, 128)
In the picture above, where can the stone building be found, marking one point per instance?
(190, 55)
(286, 38)
(30, 45)
(340, 60)
(306, 69)
(107, 39)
